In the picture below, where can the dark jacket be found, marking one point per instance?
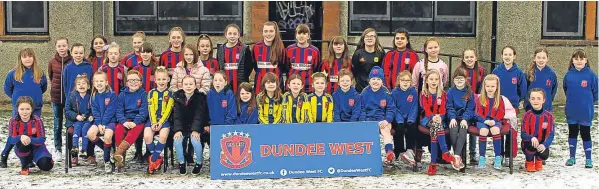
(55, 67)
(190, 115)
(245, 62)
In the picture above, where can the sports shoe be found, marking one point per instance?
(157, 163)
(452, 160)
(458, 164)
(473, 159)
(24, 171)
(108, 167)
(539, 165)
(3, 161)
(571, 161)
(92, 161)
(196, 169)
(390, 156)
(497, 163)
(432, 169)
(482, 162)
(408, 157)
(588, 163)
(530, 166)
(83, 154)
(182, 168)
(57, 156)
(74, 157)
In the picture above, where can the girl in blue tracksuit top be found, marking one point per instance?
(78, 67)
(513, 80)
(247, 112)
(221, 104)
(26, 79)
(378, 105)
(131, 114)
(541, 75)
(406, 101)
(580, 87)
(78, 114)
(103, 101)
(460, 110)
(346, 100)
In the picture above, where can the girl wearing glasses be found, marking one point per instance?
(370, 53)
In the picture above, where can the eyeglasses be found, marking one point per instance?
(134, 80)
(459, 79)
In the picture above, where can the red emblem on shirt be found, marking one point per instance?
(351, 102)
(584, 83)
(375, 72)
(548, 82)
(438, 101)
(139, 102)
(237, 56)
(166, 98)
(410, 98)
(119, 76)
(383, 102)
(223, 103)
(106, 101)
(514, 80)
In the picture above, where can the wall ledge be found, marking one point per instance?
(566, 42)
(25, 38)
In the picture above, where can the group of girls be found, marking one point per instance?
(186, 91)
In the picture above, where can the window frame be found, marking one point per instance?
(435, 18)
(564, 35)
(8, 22)
(201, 17)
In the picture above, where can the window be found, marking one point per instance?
(158, 17)
(419, 17)
(26, 17)
(563, 19)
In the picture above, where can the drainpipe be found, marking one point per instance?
(103, 17)
(494, 34)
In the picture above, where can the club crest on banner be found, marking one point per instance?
(236, 153)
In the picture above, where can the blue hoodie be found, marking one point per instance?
(347, 106)
(458, 107)
(247, 118)
(77, 105)
(28, 87)
(132, 106)
(71, 71)
(546, 80)
(580, 88)
(407, 105)
(104, 107)
(377, 106)
(222, 107)
(513, 83)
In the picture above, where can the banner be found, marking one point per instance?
(295, 150)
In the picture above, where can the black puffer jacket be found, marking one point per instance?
(245, 62)
(190, 115)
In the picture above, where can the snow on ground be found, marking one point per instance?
(396, 175)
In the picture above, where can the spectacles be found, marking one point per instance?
(134, 80)
(459, 79)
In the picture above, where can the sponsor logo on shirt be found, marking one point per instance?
(231, 66)
(334, 78)
(301, 66)
(266, 65)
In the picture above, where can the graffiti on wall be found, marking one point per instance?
(294, 13)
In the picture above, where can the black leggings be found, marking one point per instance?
(585, 131)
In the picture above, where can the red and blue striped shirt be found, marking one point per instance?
(263, 64)
(131, 60)
(147, 79)
(232, 58)
(303, 61)
(96, 63)
(397, 61)
(115, 76)
(169, 59)
(211, 64)
(34, 128)
(333, 73)
(475, 78)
